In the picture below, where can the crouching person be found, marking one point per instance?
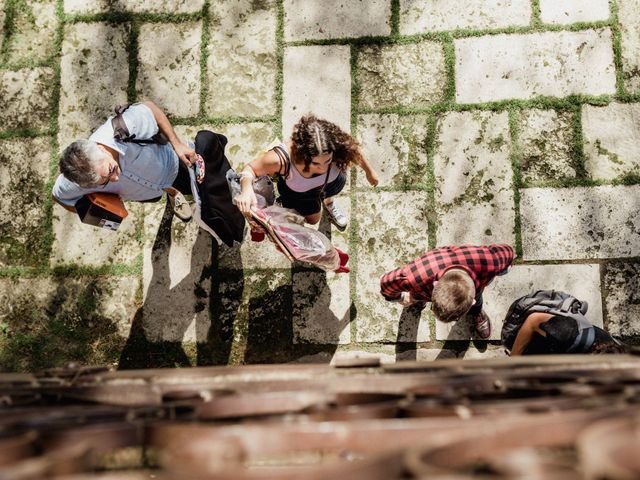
(553, 322)
(452, 279)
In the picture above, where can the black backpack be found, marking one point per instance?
(121, 132)
(555, 303)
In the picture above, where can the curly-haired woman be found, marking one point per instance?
(311, 168)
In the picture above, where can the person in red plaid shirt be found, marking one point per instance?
(452, 279)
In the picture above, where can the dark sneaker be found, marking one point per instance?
(336, 216)
(181, 207)
(483, 325)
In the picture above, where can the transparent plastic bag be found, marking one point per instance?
(286, 229)
(305, 244)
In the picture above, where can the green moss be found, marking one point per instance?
(517, 179)
(431, 207)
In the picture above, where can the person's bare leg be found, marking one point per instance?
(313, 219)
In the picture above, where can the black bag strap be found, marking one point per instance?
(121, 131)
(285, 160)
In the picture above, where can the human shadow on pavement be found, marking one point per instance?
(159, 326)
(459, 339)
(292, 320)
(407, 336)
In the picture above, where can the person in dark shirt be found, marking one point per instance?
(545, 333)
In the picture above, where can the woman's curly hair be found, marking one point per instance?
(313, 136)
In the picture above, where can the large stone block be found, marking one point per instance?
(322, 19)
(573, 11)
(49, 322)
(396, 223)
(321, 308)
(545, 140)
(86, 7)
(27, 97)
(583, 222)
(630, 32)
(582, 281)
(622, 284)
(474, 179)
(78, 243)
(321, 301)
(242, 63)
(611, 144)
(169, 66)
(317, 79)
(419, 16)
(176, 278)
(22, 186)
(554, 64)
(89, 90)
(395, 146)
(256, 308)
(35, 26)
(408, 75)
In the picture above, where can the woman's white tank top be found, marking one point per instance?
(296, 182)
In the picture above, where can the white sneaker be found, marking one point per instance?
(336, 216)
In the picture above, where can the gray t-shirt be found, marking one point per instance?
(146, 170)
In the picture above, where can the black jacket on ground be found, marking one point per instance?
(217, 211)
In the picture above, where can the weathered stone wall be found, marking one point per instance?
(495, 121)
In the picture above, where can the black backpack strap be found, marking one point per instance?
(121, 131)
(285, 160)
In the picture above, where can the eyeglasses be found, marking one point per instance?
(113, 168)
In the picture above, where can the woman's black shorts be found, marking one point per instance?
(309, 202)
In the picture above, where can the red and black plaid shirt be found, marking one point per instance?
(482, 263)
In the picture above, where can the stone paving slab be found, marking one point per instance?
(262, 314)
(409, 75)
(583, 222)
(27, 95)
(57, 319)
(388, 222)
(89, 91)
(22, 212)
(242, 62)
(176, 257)
(323, 19)
(545, 141)
(78, 243)
(573, 11)
(35, 26)
(622, 286)
(419, 16)
(169, 66)
(611, 140)
(630, 38)
(581, 280)
(522, 66)
(324, 89)
(321, 300)
(321, 308)
(86, 7)
(395, 146)
(474, 179)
